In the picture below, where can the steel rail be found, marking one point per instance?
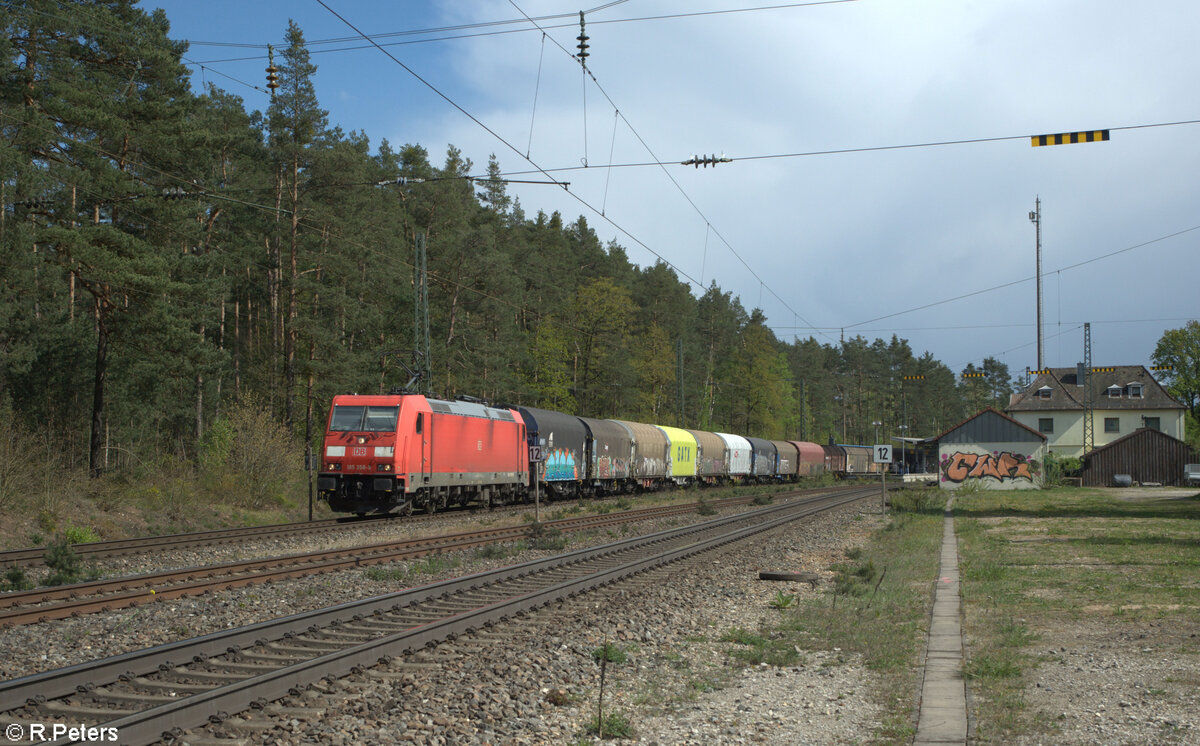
(84, 677)
(166, 542)
(30, 607)
(169, 720)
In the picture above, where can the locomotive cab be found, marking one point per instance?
(358, 464)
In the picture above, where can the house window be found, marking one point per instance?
(1044, 392)
(1045, 424)
(1151, 422)
(1112, 424)
(1114, 392)
(1135, 391)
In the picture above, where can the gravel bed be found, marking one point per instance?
(535, 682)
(1118, 684)
(38, 647)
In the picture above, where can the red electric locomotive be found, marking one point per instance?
(407, 451)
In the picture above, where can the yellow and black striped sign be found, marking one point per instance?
(1103, 370)
(1162, 367)
(913, 378)
(1044, 371)
(974, 375)
(1068, 138)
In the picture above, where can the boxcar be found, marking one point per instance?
(764, 458)
(563, 440)
(682, 455)
(835, 459)
(787, 461)
(738, 456)
(609, 455)
(649, 453)
(812, 458)
(710, 461)
(858, 460)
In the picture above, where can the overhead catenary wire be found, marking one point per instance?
(506, 22)
(509, 145)
(672, 179)
(1025, 279)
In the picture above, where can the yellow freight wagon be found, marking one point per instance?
(683, 454)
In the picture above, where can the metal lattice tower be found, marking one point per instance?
(1089, 432)
(421, 314)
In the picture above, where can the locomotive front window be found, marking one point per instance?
(364, 419)
(381, 419)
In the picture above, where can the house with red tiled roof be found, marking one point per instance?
(1124, 398)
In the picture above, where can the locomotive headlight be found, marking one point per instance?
(335, 451)
(384, 451)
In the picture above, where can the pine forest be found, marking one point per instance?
(187, 282)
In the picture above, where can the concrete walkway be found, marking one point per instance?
(943, 716)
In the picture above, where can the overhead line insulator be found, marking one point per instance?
(583, 41)
(272, 71)
(706, 160)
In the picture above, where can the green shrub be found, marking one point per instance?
(1058, 468)
(609, 652)
(66, 567)
(80, 535)
(782, 600)
(15, 579)
(615, 725)
(262, 454)
(913, 501)
(547, 537)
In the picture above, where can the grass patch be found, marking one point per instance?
(1034, 562)
(756, 649)
(546, 537)
(876, 609)
(431, 565)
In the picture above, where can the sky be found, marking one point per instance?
(881, 176)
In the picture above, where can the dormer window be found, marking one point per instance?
(1114, 391)
(1044, 392)
(1135, 391)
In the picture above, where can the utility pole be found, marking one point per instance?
(1036, 218)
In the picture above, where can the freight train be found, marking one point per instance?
(406, 451)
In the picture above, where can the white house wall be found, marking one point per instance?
(1067, 438)
(991, 466)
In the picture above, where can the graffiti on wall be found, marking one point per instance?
(958, 467)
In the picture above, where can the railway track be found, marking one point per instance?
(154, 694)
(168, 542)
(141, 545)
(60, 602)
